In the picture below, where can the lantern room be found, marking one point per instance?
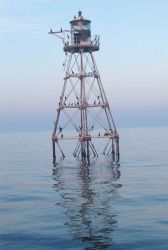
(80, 30)
(81, 36)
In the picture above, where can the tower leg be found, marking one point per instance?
(88, 154)
(54, 155)
(113, 150)
(83, 153)
(93, 150)
(104, 151)
(76, 149)
(117, 151)
(63, 156)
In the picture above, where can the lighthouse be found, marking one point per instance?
(83, 103)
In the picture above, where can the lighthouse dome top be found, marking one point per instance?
(80, 19)
(80, 36)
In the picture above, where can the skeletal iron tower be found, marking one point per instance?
(83, 102)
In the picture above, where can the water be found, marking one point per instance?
(102, 206)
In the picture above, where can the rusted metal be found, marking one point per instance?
(83, 101)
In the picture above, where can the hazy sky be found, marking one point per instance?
(133, 59)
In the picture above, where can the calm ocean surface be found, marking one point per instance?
(68, 206)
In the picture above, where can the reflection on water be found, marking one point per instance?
(87, 194)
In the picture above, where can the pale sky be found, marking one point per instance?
(133, 60)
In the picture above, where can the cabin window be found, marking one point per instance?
(76, 38)
(88, 26)
(81, 26)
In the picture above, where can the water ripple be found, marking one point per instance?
(86, 200)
